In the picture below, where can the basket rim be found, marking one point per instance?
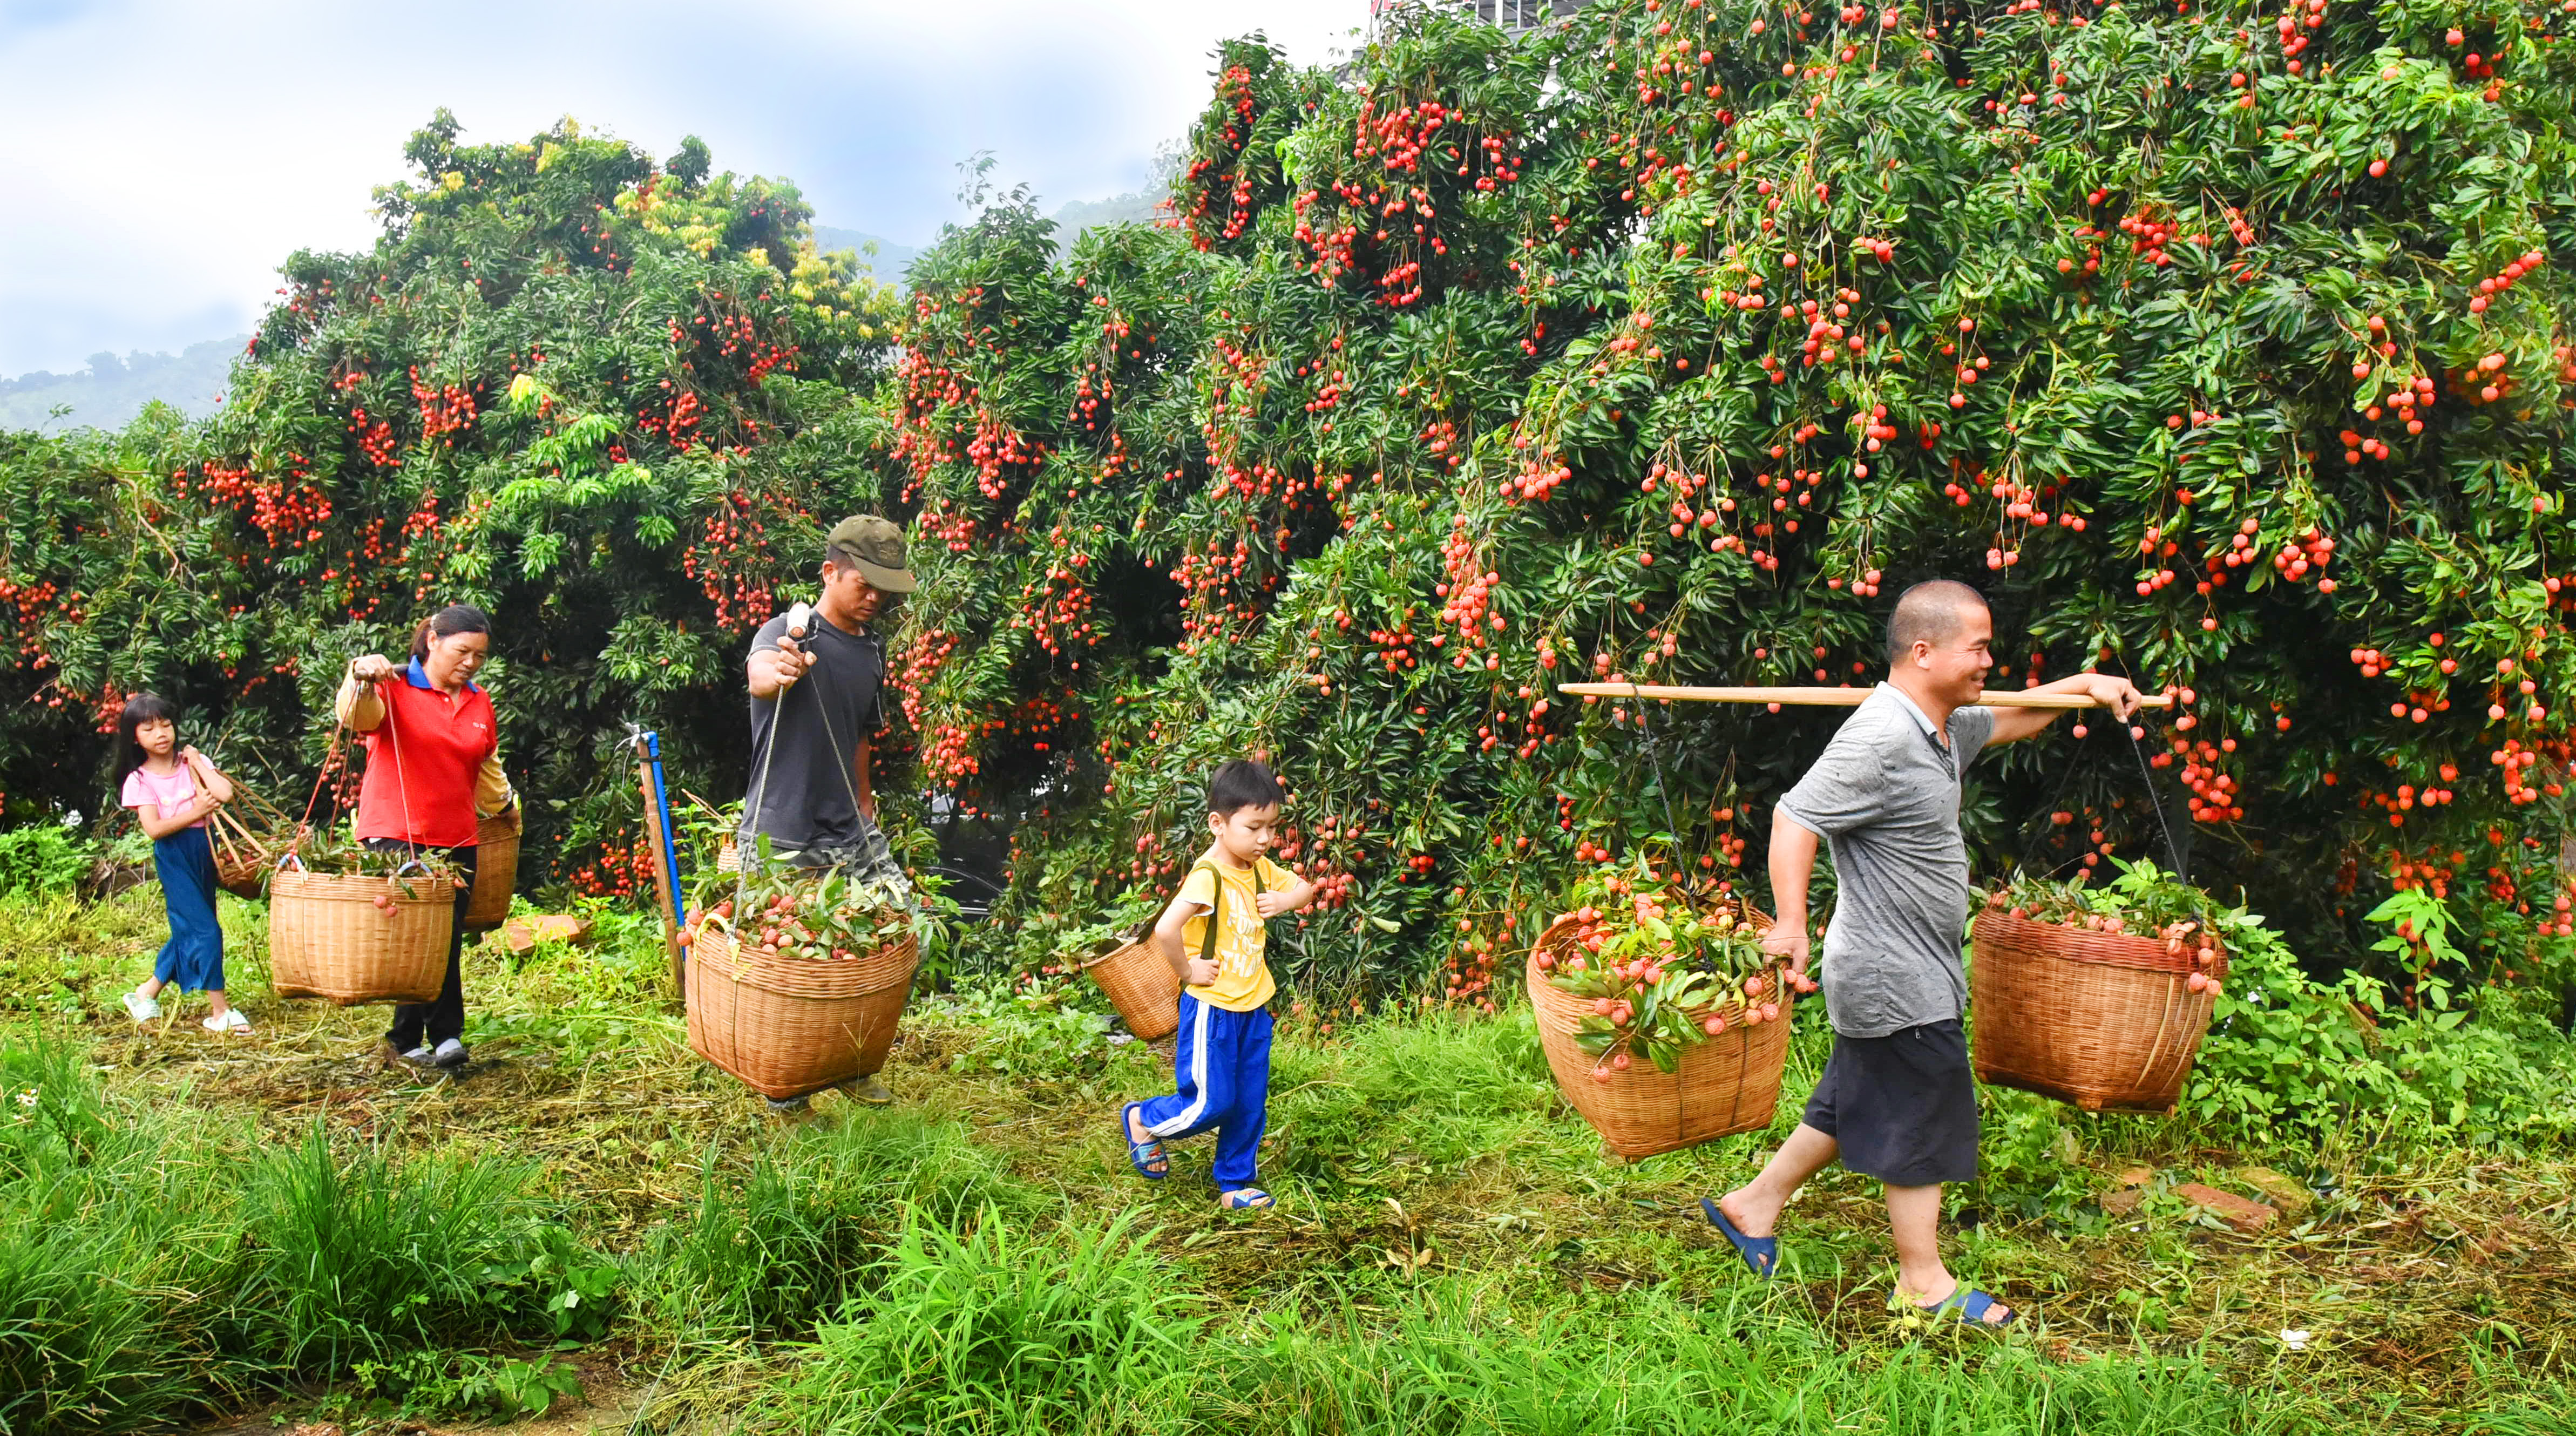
(335, 887)
(1119, 948)
(2069, 943)
(731, 961)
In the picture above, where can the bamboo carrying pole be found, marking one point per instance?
(1829, 697)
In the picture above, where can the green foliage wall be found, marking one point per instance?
(2226, 346)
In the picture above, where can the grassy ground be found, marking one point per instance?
(1451, 1252)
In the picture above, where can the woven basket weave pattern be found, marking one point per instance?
(2104, 1020)
(242, 858)
(327, 938)
(243, 874)
(1725, 1084)
(789, 1026)
(496, 871)
(1141, 985)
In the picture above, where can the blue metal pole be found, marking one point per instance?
(670, 844)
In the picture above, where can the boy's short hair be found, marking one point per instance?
(1242, 783)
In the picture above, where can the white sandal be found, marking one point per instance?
(231, 1021)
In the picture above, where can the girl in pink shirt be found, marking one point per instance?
(173, 790)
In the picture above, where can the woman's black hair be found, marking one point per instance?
(140, 709)
(454, 619)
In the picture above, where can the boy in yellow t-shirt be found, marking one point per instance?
(1222, 1060)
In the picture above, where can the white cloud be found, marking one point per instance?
(168, 154)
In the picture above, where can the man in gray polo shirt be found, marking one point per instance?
(1897, 1100)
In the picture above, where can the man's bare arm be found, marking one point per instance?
(1793, 865)
(772, 671)
(2119, 694)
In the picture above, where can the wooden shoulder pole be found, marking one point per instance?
(1799, 697)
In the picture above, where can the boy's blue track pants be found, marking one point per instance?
(1223, 1064)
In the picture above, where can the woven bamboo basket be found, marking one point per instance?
(358, 939)
(243, 858)
(1725, 1084)
(496, 871)
(2107, 1021)
(790, 1026)
(1142, 986)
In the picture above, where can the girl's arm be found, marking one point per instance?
(208, 775)
(156, 826)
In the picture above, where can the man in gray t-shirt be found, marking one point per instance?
(1897, 1100)
(1885, 796)
(808, 792)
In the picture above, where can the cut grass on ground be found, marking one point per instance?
(1451, 1253)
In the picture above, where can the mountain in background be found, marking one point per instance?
(1138, 207)
(888, 263)
(892, 259)
(109, 393)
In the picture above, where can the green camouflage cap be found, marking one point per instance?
(874, 547)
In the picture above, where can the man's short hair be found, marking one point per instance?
(1930, 612)
(1242, 783)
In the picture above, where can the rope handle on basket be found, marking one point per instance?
(289, 857)
(743, 850)
(393, 734)
(2172, 852)
(402, 781)
(321, 775)
(732, 934)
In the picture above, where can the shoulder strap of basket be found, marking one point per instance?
(760, 780)
(321, 775)
(832, 736)
(1216, 909)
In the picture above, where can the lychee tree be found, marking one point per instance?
(2225, 346)
(604, 396)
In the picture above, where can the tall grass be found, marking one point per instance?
(91, 1336)
(362, 1255)
(110, 1234)
(767, 1255)
(994, 1331)
(1458, 1360)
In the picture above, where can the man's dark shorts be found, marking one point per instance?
(1903, 1106)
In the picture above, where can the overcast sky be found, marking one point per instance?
(164, 156)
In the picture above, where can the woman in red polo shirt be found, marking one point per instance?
(433, 767)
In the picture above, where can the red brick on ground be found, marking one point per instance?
(2280, 1189)
(2236, 1211)
(524, 933)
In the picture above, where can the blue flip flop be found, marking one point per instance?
(1139, 1153)
(1247, 1199)
(1965, 1302)
(1762, 1254)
